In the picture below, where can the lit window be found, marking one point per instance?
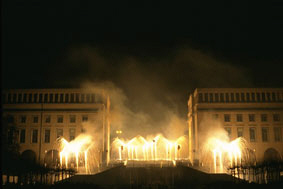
(84, 118)
(252, 135)
(264, 134)
(240, 132)
(251, 117)
(264, 117)
(72, 134)
(239, 118)
(59, 133)
(72, 119)
(276, 117)
(34, 136)
(47, 136)
(60, 119)
(227, 117)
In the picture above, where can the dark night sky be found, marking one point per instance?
(37, 34)
(146, 48)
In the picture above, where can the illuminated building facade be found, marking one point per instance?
(256, 114)
(41, 116)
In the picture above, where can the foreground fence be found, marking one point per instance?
(262, 173)
(41, 176)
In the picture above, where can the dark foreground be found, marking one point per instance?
(152, 177)
(216, 185)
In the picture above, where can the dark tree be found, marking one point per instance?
(10, 147)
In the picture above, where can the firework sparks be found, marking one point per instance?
(225, 153)
(77, 149)
(150, 149)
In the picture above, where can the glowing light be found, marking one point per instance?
(85, 153)
(74, 150)
(150, 149)
(225, 153)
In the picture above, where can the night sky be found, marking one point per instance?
(150, 50)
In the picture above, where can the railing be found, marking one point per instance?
(261, 173)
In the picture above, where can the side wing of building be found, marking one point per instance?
(41, 116)
(256, 114)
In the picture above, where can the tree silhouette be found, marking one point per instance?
(10, 147)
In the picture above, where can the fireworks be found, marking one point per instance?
(75, 152)
(79, 153)
(150, 149)
(225, 154)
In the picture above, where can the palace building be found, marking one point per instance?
(256, 114)
(41, 116)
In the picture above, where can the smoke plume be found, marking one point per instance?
(148, 95)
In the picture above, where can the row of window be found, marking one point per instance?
(49, 98)
(47, 119)
(21, 135)
(252, 133)
(241, 97)
(250, 117)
